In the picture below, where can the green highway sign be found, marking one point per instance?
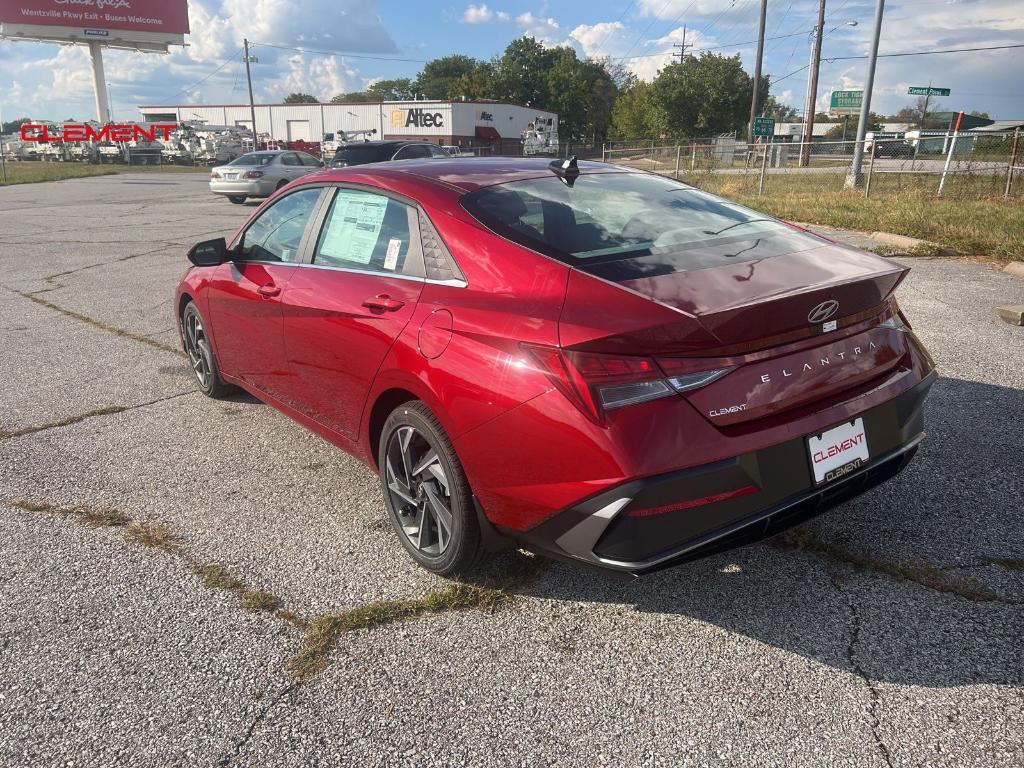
(846, 102)
(925, 90)
(764, 126)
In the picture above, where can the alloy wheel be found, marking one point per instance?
(419, 490)
(197, 348)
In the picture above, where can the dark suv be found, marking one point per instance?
(360, 153)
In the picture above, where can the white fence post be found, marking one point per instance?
(764, 167)
(679, 149)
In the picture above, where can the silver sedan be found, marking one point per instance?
(260, 174)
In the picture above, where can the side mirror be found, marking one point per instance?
(209, 253)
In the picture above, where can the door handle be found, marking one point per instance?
(268, 291)
(384, 303)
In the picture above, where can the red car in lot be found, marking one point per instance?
(599, 364)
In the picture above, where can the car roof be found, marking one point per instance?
(472, 173)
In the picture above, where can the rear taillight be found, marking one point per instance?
(254, 175)
(214, 175)
(598, 383)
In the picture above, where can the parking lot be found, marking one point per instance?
(886, 633)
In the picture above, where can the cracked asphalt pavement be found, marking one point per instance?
(112, 653)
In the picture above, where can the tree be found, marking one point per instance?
(301, 98)
(474, 85)
(835, 133)
(977, 113)
(521, 73)
(703, 96)
(582, 93)
(15, 125)
(782, 113)
(438, 78)
(402, 89)
(912, 113)
(633, 116)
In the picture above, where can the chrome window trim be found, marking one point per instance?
(447, 283)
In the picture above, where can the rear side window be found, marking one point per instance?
(658, 224)
(412, 151)
(370, 232)
(355, 154)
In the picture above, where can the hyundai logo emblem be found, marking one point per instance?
(823, 311)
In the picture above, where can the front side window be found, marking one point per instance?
(277, 233)
(438, 152)
(653, 223)
(369, 232)
(290, 158)
(309, 160)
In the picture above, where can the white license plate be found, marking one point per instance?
(231, 176)
(838, 451)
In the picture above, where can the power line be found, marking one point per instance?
(713, 47)
(188, 88)
(651, 23)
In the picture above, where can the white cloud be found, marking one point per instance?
(614, 40)
(481, 14)
(543, 30)
(322, 77)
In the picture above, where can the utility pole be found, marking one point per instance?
(682, 47)
(812, 88)
(757, 72)
(252, 104)
(854, 178)
(924, 111)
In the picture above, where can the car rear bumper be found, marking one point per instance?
(248, 188)
(739, 500)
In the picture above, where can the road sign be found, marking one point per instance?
(924, 90)
(846, 102)
(764, 126)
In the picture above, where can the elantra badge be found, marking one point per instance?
(823, 312)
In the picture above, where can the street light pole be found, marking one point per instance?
(757, 72)
(812, 87)
(252, 104)
(854, 179)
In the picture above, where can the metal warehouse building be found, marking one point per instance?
(486, 125)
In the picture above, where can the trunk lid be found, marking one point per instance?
(731, 309)
(760, 319)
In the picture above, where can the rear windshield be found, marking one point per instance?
(253, 158)
(617, 217)
(357, 155)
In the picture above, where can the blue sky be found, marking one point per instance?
(389, 38)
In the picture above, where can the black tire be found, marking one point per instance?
(237, 199)
(201, 358)
(280, 184)
(461, 550)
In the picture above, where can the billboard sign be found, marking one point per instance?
(159, 16)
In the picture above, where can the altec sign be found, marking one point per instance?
(165, 16)
(77, 133)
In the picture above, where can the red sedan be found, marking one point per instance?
(599, 364)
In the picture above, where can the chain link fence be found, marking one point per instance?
(965, 165)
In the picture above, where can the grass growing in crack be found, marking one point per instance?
(217, 577)
(1010, 563)
(324, 631)
(152, 535)
(260, 600)
(95, 516)
(926, 575)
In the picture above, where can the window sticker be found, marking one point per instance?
(354, 227)
(391, 259)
